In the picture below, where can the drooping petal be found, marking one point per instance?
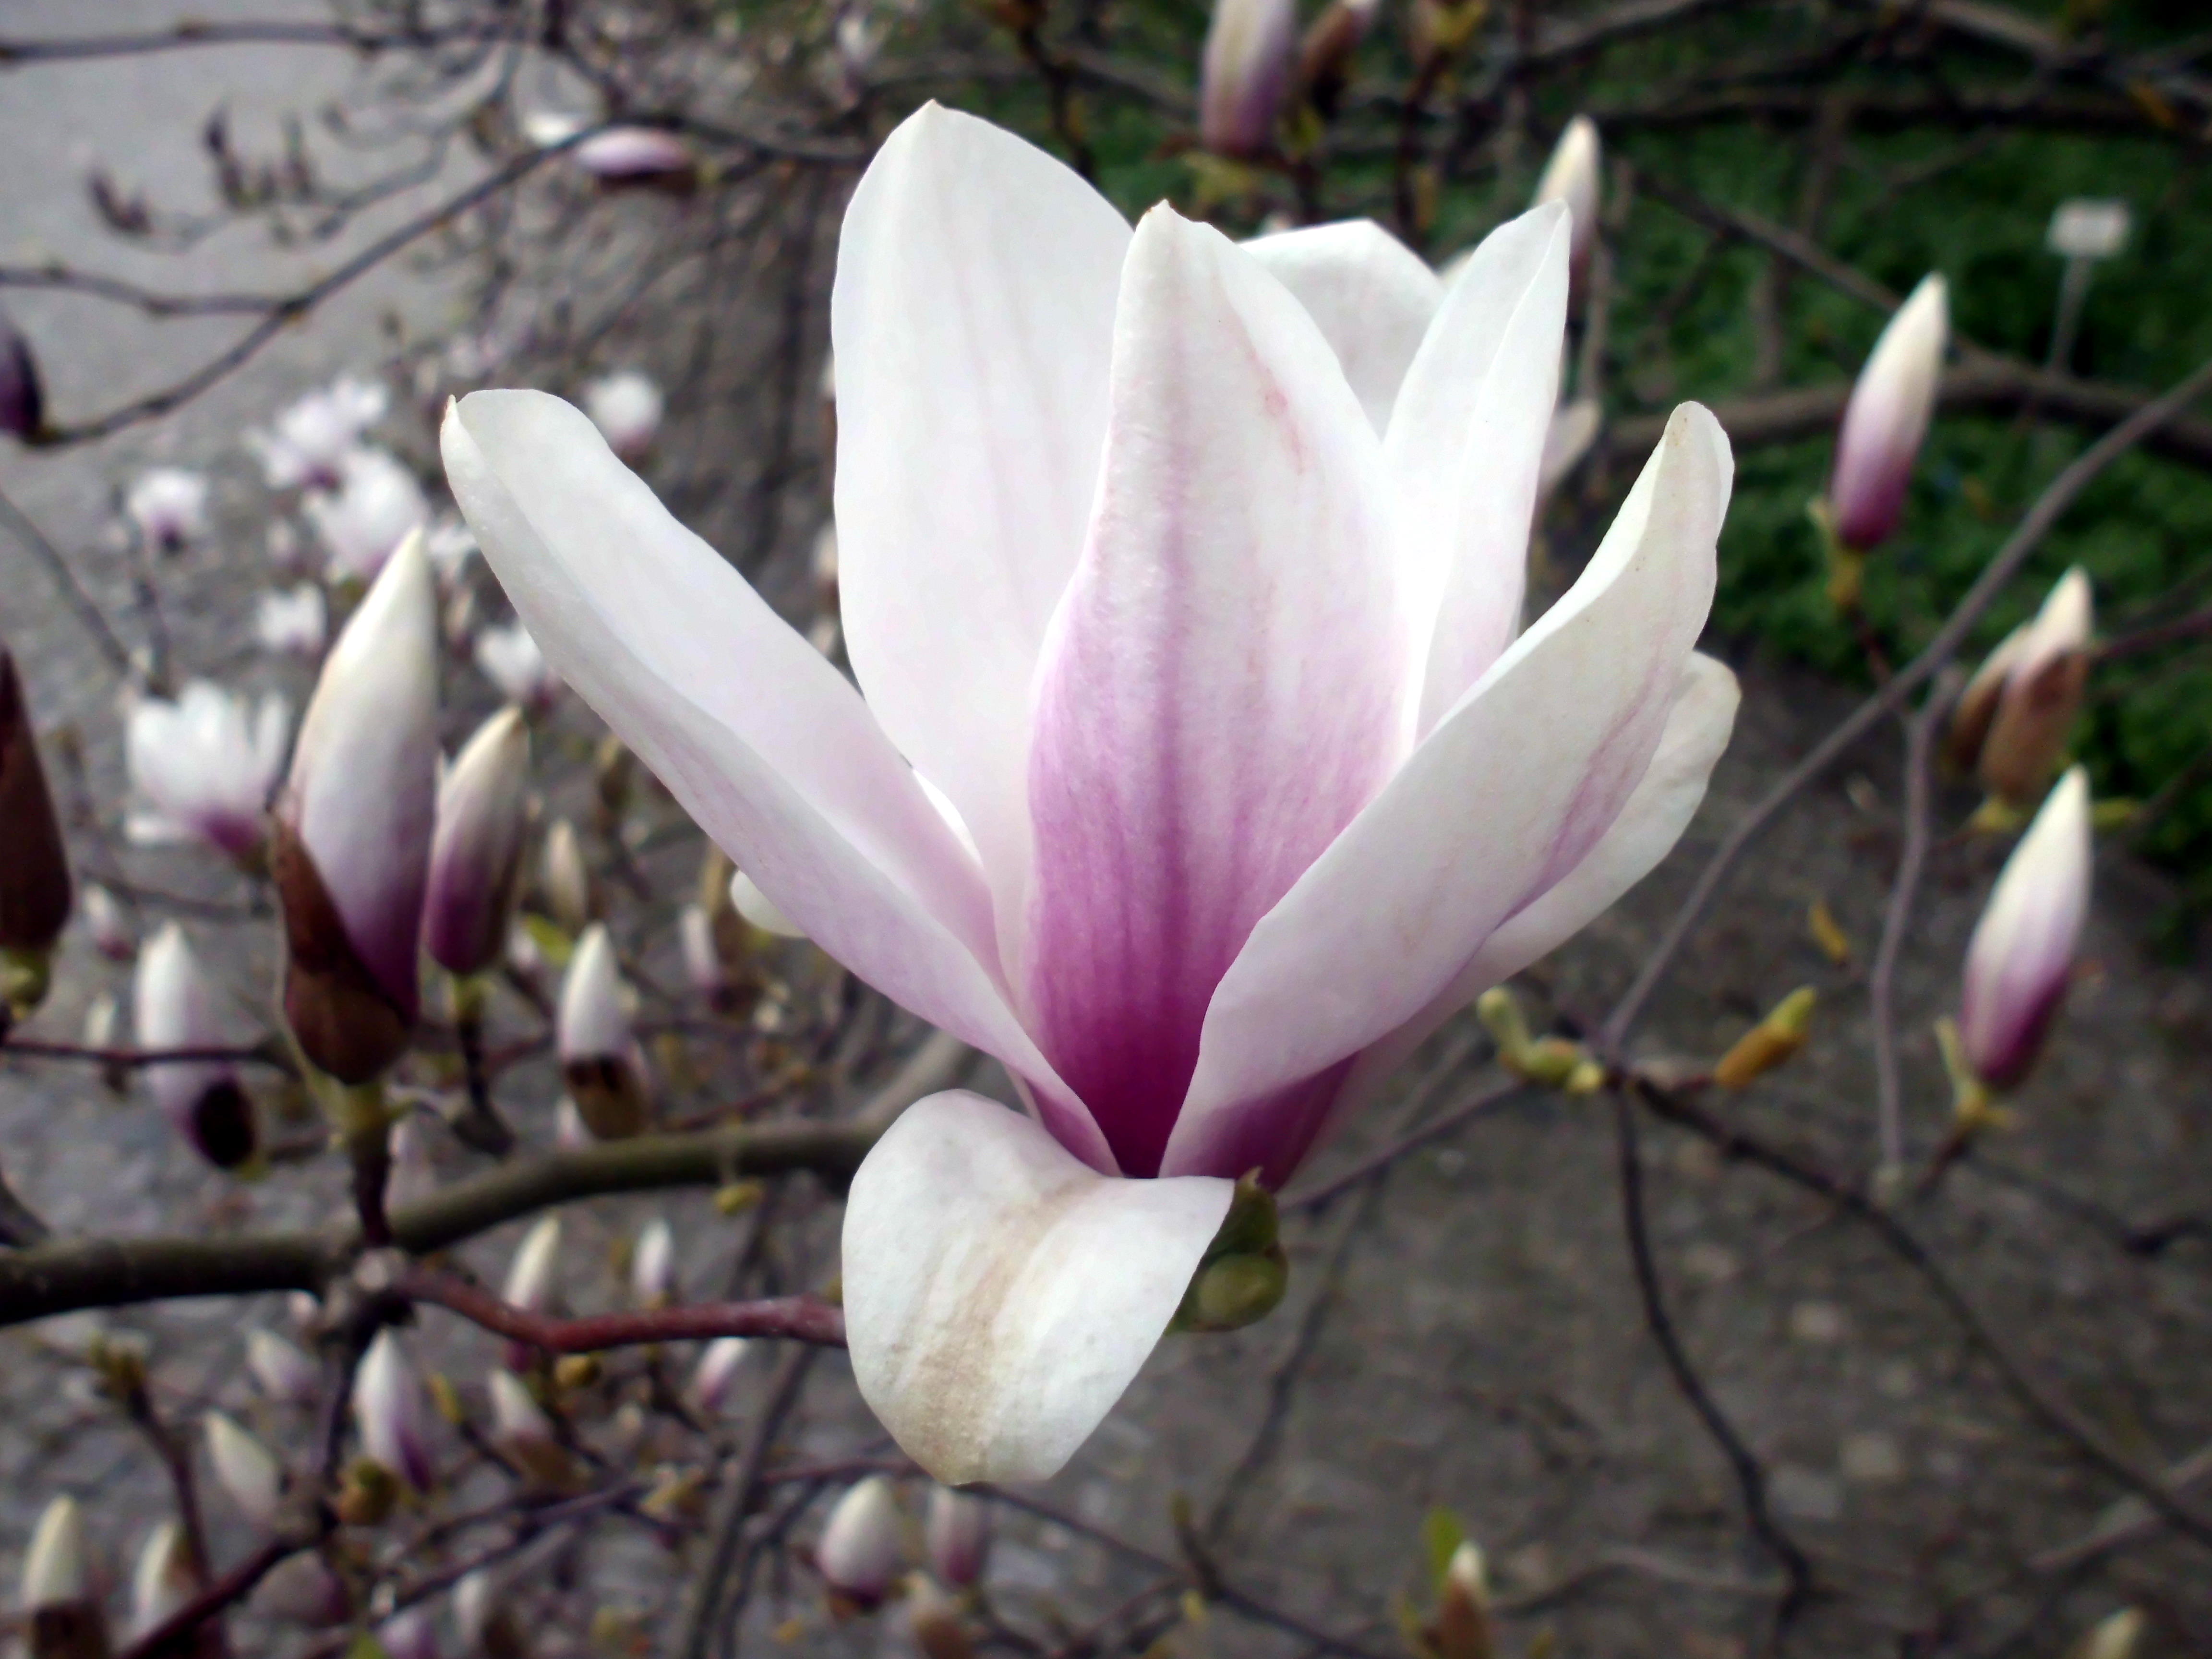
(1466, 446)
(1649, 826)
(973, 326)
(998, 1295)
(765, 744)
(1513, 789)
(1370, 295)
(1221, 690)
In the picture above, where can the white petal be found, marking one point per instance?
(1465, 446)
(1369, 293)
(973, 323)
(999, 1296)
(1514, 788)
(763, 742)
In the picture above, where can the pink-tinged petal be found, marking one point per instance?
(999, 1296)
(765, 744)
(973, 323)
(1465, 451)
(1223, 689)
(1368, 293)
(2022, 952)
(1513, 789)
(1650, 823)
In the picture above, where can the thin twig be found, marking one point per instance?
(802, 1318)
(1919, 750)
(738, 1499)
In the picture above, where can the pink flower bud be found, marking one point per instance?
(627, 408)
(1251, 51)
(652, 1264)
(717, 1370)
(858, 1554)
(22, 399)
(604, 1071)
(244, 1468)
(636, 155)
(168, 507)
(34, 877)
(1886, 419)
(958, 1533)
(354, 826)
(280, 1371)
(476, 851)
(173, 1006)
(202, 768)
(163, 1583)
(2022, 951)
(362, 518)
(2047, 674)
(389, 1408)
(1574, 176)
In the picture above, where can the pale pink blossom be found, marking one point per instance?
(1209, 648)
(202, 768)
(292, 622)
(163, 1583)
(2022, 952)
(957, 1531)
(306, 444)
(169, 507)
(626, 154)
(509, 657)
(280, 1369)
(1886, 419)
(367, 512)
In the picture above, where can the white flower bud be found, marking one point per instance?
(627, 408)
(174, 1008)
(511, 660)
(1574, 176)
(1886, 419)
(859, 1553)
(716, 1372)
(388, 1406)
(567, 883)
(1251, 51)
(652, 1264)
(280, 1369)
(109, 927)
(475, 851)
(163, 1583)
(244, 1468)
(2022, 952)
(958, 1533)
(532, 1276)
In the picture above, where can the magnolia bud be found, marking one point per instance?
(1243, 1274)
(164, 1582)
(2115, 1637)
(168, 506)
(1463, 1628)
(652, 1265)
(604, 1071)
(303, 1590)
(201, 768)
(174, 1008)
(935, 1619)
(1770, 1042)
(756, 908)
(638, 155)
(1977, 707)
(244, 1468)
(626, 407)
(703, 961)
(1887, 420)
(858, 1555)
(64, 1616)
(280, 1369)
(1573, 176)
(354, 826)
(509, 657)
(475, 851)
(567, 883)
(2046, 673)
(34, 877)
(521, 1430)
(2022, 952)
(532, 1277)
(716, 1372)
(1325, 54)
(486, 1623)
(387, 1405)
(1244, 77)
(372, 510)
(958, 1533)
(22, 399)
(105, 921)
(412, 1634)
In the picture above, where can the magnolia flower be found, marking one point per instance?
(1886, 419)
(601, 1060)
(716, 1371)
(511, 660)
(22, 398)
(2022, 952)
(1251, 51)
(957, 1531)
(293, 622)
(34, 876)
(308, 444)
(652, 1265)
(280, 1369)
(202, 768)
(532, 1277)
(476, 848)
(858, 1554)
(387, 1405)
(1573, 176)
(1195, 607)
(2013, 720)
(174, 1008)
(636, 155)
(168, 506)
(626, 409)
(163, 1583)
(367, 512)
(244, 1468)
(352, 846)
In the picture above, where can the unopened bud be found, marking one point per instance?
(64, 1616)
(566, 883)
(2115, 1637)
(1325, 54)
(2021, 955)
(2041, 696)
(858, 1555)
(1501, 1016)
(367, 1493)
(521, 1430)
(626, 407)
(412, 1634)
(105, 921)
(759, 910)
(1243, 1274)
(573, 1371)
(280, 1371)
(935, 1619)
(388, 1407)
(1244, 77)
(1463, 1630)
(716, 1372)
(652, 1265)
(600, 1061)
(957, 1531)
(1573, 176)
(244, 1468)
(532, 1277)
(1887, 420)
(1770, 1042)
(34, 877)
(476, 852)
(303, 1590)
(22, 398)
(164, 1582)
(173, 1009)
(703, 961)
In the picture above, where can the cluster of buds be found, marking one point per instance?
(2013, 722)
(1554, 1062)
(34, 877)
